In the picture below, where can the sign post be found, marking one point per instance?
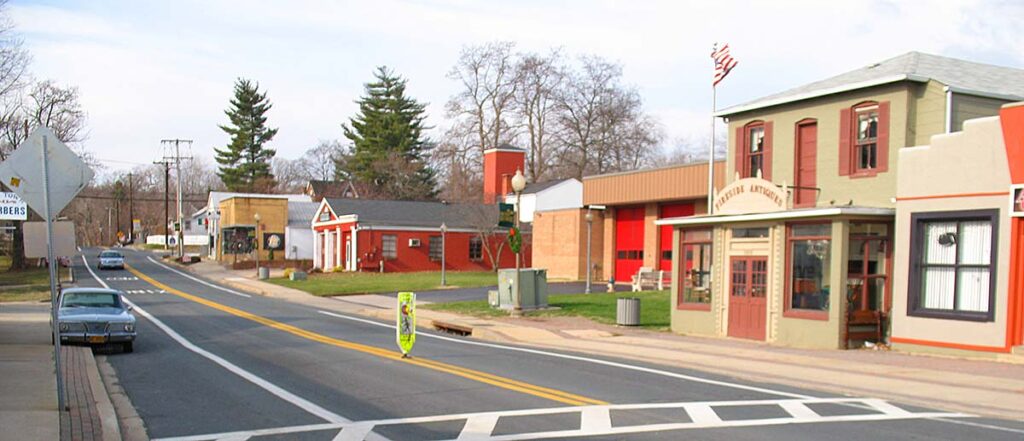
(406, 326)
(23, 175)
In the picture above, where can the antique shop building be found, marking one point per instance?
(799, 250)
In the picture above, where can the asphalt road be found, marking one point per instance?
(215, 364)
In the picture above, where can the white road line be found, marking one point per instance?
(299, 402)
(589, 360)
(195, 279)
(479, 426)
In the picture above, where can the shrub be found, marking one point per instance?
(337, 269)
(288, 272)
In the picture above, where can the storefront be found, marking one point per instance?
(761, 271)
(960, 228)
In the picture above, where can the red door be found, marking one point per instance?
(629, 242)
(747, 293)
(806, 165)
(665, 246)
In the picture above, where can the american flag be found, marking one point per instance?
(723, 62)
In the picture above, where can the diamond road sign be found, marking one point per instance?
(22, 172)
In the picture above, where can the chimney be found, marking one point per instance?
(500, 164)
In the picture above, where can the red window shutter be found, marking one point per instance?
(883, 136)
(740, 148)
(845, 141)
(766, 166)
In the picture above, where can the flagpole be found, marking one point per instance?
(711, 153)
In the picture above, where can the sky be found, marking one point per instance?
(149, 70)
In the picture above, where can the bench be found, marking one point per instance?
(648, 277)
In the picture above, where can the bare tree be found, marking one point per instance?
(539, 78)
(46, 105)
(320, 162)
(290, 174)
(483, 219)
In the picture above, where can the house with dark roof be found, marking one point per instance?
(317, 190)
(405, 236)
(797, 248)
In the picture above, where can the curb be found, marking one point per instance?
(108, 418)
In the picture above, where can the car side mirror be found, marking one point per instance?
(129, 308)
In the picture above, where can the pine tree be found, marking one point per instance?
(245, 162)
(388, 144)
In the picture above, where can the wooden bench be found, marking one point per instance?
(645, 276)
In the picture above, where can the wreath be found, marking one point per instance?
(515, 239)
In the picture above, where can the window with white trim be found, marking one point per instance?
(953, 265)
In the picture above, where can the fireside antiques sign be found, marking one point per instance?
(750, 195)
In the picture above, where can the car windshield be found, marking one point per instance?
(110, 254)
(90, 299)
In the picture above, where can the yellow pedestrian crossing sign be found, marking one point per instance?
(406, 326)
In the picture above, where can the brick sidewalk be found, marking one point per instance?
(82, 420)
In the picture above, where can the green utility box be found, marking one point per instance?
(533, 292)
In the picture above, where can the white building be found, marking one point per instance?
(547, 196)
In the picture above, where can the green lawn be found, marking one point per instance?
(29, 285)
(654, 307)
(336, 284)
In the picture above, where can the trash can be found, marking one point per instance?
(263, 273)
(627, 311)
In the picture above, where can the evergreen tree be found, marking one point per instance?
(388, 144)
(245, 162)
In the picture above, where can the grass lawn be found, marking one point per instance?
(335, 284)
(654, 307)
(22, 286)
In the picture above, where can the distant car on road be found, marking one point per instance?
(111, 259)
(95, 316)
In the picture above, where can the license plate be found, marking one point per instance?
(97, 339)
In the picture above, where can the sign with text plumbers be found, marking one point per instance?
(750, 195)
(12, 207)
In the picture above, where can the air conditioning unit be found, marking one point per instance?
(414, 243)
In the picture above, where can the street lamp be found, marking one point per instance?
(257, 250)
(444, 230)
(518, 184)
(590, 224)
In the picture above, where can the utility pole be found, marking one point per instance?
(167, 214)
(131, 210)
(177, 168)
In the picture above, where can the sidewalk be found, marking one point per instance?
(979, 387)
(28, 383)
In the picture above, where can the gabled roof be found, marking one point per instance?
(413, 213)
(961, 76)
(300, 213)
(330, 189)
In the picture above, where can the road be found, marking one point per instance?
(212, 363)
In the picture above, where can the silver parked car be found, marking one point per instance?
(111, 259)
(95, 316)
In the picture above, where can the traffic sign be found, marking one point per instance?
(406, 326)
(23, 174)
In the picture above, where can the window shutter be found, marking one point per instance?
(766, 166)
(883, 136)
(740, 148)
(845, 141)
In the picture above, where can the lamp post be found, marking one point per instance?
(590, 224)
(257, 251)
(518, 184)
(444, 230)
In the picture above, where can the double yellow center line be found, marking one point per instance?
(483, 377)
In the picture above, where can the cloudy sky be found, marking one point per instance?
(150, 70)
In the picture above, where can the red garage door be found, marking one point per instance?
(665, 246)
(629, 242)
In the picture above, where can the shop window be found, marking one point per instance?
(695, 270)
(754, 150)
(864, 139)
(749, 233)
(867, 267)
(809, 269)
(389, 246)
(435, 248)
(953, 265)
(476, 249)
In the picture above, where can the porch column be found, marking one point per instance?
(316, 249)
(338, 247)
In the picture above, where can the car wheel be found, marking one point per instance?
(126, 347)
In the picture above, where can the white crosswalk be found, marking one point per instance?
(144, 291)
(121, 278)
(597, 420)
